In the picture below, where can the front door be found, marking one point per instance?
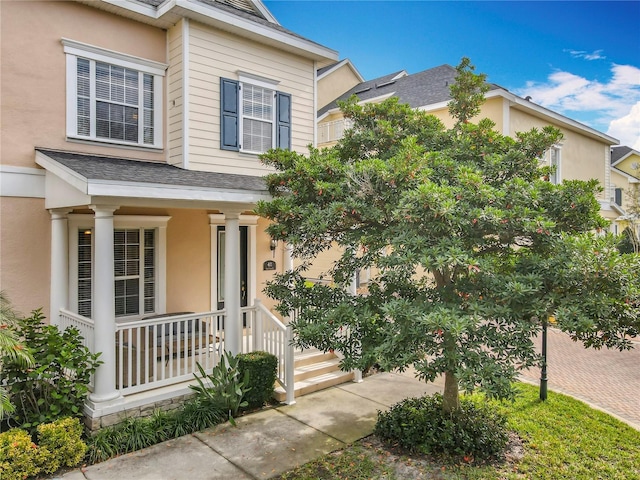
(244, 285)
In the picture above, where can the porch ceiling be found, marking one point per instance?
(75, 179)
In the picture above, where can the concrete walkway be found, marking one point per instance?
(269, 442)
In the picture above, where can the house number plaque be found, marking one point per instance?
(269, 265)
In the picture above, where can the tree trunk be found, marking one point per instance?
(451, 397)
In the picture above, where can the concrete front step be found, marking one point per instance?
(314, 371)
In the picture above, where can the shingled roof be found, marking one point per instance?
(620, 152)
(95, 167)
(419, 89)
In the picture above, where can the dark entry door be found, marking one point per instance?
(244, 284)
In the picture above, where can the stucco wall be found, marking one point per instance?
(581, 157)
(33, 93)
(25, 245)
(188, 261)
(335, 84)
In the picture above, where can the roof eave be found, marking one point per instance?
(549, 115)
(170, 12)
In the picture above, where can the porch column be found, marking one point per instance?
(104, 314)
(59, 295)
(233, 320)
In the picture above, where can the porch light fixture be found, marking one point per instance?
(87, 232)
(273, 244)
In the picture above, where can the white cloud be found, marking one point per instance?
(612, 105)
(627, 128)
(596, 55)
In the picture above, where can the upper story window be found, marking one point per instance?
(255, 117)
(112, 97)
(554, 161)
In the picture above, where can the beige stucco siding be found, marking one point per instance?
(630, 165)
(33, 69)
(214, 54)
(335, 84)
(581, 157)
(25, 245)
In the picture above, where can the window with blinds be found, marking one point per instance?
(114, 102)
(134, 267)
(257, 118)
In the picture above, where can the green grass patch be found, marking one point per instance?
(562, 438)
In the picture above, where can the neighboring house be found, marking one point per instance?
(129, 172)
(583, 154)
(625, 194)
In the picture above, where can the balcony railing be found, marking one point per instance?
(332, 131)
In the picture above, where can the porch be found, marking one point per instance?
(155, 358)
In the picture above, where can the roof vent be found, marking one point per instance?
(384, 84)
(528, 98)
(362, 90)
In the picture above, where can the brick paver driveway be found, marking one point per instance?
(608, 379)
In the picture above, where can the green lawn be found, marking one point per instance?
(562, 439)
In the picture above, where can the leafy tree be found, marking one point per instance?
(11, 348)
(469, 248)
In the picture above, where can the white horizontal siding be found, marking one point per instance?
(174, 95)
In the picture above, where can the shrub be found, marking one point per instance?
(421, 426)
(262, 369)
(57, 384)
(63, 439)
(225, 390)
(199, 413)
(19, 456)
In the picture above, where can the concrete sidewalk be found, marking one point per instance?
(267, 443)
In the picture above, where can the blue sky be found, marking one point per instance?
(579, 58)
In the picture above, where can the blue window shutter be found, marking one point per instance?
(229, 107)
(283, 124)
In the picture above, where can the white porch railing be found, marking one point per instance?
(164, 350)
(273, 336)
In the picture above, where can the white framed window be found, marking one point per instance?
(553, 160)
(255, 117)
(139, 245)
(113, 97)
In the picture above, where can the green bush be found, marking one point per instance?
(57, 384)
(224, 389)
(63, 439)
(60, 445)
(474, 432)
(262, 369)
(140, 432)
(19, 456)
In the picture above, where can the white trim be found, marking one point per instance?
(547, 114)
(625, 156)
(264, 11)
(378, 99)
(77, 221)
(108, 188)
(73, 50)
(22, 182)
(100, 54)
(628, 176)
(506, 118)
(258, 80)
(168, 14)
(186, 107)
(340, 64)
(315, 104)
(250, 221)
